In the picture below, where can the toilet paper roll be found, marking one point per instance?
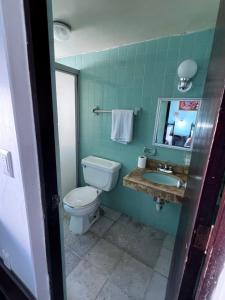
(142, 162)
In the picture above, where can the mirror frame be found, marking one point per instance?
(157, 119)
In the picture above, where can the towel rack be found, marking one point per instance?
(97, 110)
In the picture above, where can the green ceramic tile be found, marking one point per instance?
(127, 77)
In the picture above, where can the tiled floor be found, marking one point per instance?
(118, 259)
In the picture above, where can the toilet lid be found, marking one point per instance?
(82, 196)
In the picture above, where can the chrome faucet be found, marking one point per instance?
(165, 168)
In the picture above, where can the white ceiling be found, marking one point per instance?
(102, 24)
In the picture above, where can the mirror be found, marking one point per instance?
(175, 123)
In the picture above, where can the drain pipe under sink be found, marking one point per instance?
(159, 203)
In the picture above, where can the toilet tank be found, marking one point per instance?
(100, 173)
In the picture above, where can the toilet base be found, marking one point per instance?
(81, 224)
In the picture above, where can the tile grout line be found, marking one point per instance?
(101, 289)
(97, 240)
(124, 252)
(127, 253)
(111, 219)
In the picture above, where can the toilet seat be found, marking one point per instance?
(82, 197)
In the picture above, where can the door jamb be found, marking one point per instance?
(36, 19)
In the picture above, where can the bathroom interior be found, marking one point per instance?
(129, 77)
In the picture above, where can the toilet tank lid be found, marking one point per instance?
(101, 163)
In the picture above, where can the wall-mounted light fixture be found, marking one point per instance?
(186, 71)
(62, 31)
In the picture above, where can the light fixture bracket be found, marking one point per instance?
(184, 85)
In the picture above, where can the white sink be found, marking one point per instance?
(161, 178)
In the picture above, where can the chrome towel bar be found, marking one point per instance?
(97, 110)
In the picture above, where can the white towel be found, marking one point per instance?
(122, 126)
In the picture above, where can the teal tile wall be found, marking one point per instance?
(128, 77)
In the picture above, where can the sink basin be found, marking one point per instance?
(161, 178)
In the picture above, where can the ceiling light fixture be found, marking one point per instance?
(186, 71)
(62, 31)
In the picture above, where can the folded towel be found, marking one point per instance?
(122, 126)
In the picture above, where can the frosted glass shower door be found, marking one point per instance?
(66, 85)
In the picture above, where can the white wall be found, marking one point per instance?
(21, 216)
(14, 235)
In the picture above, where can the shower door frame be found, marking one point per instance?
(74, 72)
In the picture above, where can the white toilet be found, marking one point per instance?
(83, 203)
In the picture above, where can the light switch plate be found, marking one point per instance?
(6, 166)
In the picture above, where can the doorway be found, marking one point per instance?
(114, 253)
(135, 225)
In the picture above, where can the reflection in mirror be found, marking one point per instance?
(175, 123)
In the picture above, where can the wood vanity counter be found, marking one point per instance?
(136, 181)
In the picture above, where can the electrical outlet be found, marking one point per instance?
(6, 163)
(6, 259)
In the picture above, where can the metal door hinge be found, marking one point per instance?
(55, 201)
(202, 237)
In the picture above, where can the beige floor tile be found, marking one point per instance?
(166, 253)
(101, 226)
(111, 213)
(132, 277)
(81, 244)
(111, 292)
(157, 288)
(84, 282)
(135, 238)
(71, 261)
(105, 256)
(163, 265)
(169, 242)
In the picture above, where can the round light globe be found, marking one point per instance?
(187, 69)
